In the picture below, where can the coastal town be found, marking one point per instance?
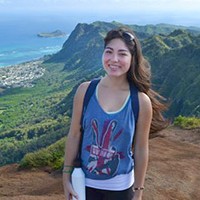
(21, 75)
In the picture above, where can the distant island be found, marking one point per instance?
(57, 33)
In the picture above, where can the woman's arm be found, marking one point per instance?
(141, 143)
(73, 140)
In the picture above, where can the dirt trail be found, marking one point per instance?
(173, 172)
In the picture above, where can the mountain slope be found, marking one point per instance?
(170, 55)
(176, 70)
(34, 118)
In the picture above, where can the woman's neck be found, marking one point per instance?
(115, 82)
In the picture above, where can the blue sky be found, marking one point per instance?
(182, 12)
(178, 5)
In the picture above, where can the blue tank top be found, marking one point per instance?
(107, 141)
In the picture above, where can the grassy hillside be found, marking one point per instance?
(176, 71)
(187, 122)
(27, 121)
(52, 157)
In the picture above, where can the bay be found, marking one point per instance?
(19, 41)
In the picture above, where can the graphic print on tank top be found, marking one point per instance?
(104, 158)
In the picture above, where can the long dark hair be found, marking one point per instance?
(140, 75)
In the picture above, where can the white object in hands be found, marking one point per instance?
(78, 183)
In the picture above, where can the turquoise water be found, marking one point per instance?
(19, 41)
(18, 53)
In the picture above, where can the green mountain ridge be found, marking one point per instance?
(160, 50)
(34, 118)
(180, 81)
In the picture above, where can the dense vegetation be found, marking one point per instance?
(52, 157)
(28, 121)
(187, 122)
(35, 118)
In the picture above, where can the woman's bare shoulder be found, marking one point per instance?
(144, 101)
(145, 113)
(81, 90)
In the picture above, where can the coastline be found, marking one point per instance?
(21, 75)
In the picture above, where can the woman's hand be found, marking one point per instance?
(137, 195)
(69, 191)
(137, 198)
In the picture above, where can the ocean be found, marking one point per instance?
(18, 31)
(19, 41)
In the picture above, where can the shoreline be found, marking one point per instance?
(23, 62)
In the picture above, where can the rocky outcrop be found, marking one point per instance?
(56, 33)
(21, 75)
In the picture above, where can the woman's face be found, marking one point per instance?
(116, 58)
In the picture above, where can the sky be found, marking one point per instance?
(181, 12)
(104, 4)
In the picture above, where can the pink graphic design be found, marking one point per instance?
(104, 158)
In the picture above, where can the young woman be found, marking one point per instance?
(113, 169)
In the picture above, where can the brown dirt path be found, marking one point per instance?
(173, 172)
